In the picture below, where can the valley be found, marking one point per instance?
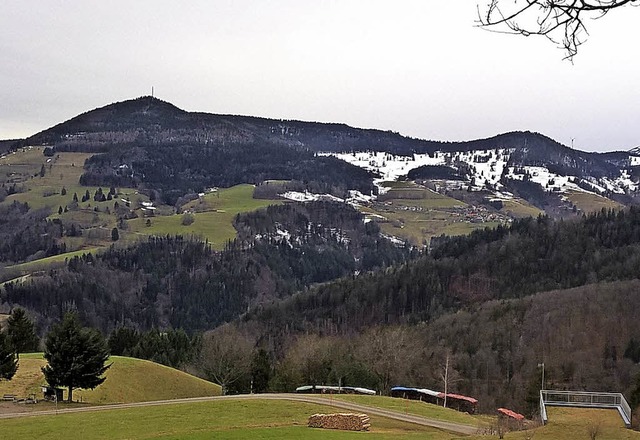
(326, 254)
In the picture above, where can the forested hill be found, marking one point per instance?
(182, 283)
(151, 120)
(169, 152)
(532, 255)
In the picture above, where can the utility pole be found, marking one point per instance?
(541, 365)
(446, 379)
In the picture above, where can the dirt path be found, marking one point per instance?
(434, 423)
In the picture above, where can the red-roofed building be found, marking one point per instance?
(460, 402)
(511, 414)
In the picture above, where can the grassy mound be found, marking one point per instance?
(128, 380)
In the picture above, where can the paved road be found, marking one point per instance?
(370, 410)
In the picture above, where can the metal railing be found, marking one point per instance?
(585, 399)
(543, 410)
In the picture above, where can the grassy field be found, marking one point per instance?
(243, 419)
(416, 213)
(574, 424)
(519, 208)
(48, 262)
(591, 202)
(28, 379)
(413, 407)
(63, 171)
(240, 419)
(214, 212)
(213, 216)
(128, 380)
(229, 419)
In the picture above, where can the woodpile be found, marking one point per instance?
(344, 421)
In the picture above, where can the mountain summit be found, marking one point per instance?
(163, 146)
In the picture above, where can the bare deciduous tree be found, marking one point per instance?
(226, 356)
(392, 353)
(562, 21)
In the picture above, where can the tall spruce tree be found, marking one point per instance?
(8, 358)
(21, 332)
(77, 357)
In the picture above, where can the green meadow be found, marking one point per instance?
(223, 419)
(213, 216)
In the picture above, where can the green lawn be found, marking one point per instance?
(229, 419)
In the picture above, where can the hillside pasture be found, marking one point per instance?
(590, 202)
(50, 262)
(61, 171)
(28, 379)
(519, 208)
(213, 212)
(128, 380)
(213, 215)
(415, 213)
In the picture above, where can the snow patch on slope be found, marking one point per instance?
(390, 167)
(485, 170)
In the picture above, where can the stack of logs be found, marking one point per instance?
(347, 422)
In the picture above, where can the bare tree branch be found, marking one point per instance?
(561, 21)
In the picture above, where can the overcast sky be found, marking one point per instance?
(419, 67)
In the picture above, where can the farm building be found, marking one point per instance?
(454, 401)
(325, 389)
(504, 412)
(422, 394)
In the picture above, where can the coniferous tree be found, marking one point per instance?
(77, 357)
(8, 358)
(123, 340)
(260, 371)
(21, 332)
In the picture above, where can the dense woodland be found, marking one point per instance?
(531, 255)
(178, 169)
(475, 299)
(587, 337)
(183, 283)
(27, 234)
